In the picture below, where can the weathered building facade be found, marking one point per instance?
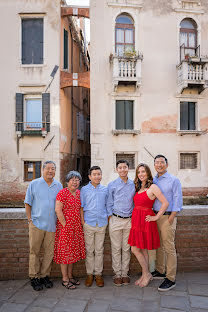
(41, 118)
(149, 75)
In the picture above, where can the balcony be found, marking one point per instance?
(32, 128)
(192, 70)
(126, 70)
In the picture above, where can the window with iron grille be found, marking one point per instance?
(189, 160)
(187, 116)
(129, 157)
(32, 41)
(32, 170)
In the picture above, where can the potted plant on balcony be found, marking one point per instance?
(130, 53)
(187, 56)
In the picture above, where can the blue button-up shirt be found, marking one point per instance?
(42, 199)
(171, 189)
(93, 201)
(120, 197)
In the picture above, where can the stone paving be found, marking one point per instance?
(190, 294)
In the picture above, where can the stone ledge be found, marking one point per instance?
(19, 213)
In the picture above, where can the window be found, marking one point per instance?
(188, 37)
(124, 34)
(32, 170)
(129, 157)
(80, 126)
(66, 48)
(32, 112)
(32, 41)
(187, 116)
(124, 114)
(189, 160)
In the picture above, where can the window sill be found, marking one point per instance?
(192, 132)
(126, 131)
(32, 65)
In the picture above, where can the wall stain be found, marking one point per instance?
(161, 124)
(204, 124)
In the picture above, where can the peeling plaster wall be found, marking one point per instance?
(156, 101)
(17, 78)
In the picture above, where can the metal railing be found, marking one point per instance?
(188, 52)
(31, 126)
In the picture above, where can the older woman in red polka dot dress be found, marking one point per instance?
(69, 241)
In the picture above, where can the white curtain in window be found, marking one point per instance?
(119, 50)
(33, 113)
(129, 36)
(183, 39)
(192, 40)
(119, 35)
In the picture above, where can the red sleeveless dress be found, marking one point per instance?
(143, 234)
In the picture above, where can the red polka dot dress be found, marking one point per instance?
(69, 240)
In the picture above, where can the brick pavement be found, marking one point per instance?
(190, 294)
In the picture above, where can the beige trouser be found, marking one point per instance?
(166, 255)
(38, 238)
(119, 233)
(94, 245)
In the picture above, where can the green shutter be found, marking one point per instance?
(191, 112)
(46, 111)
(19, 111)
(184, 116)
(120, 120)
(129, 115)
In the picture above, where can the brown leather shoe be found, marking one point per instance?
(117, 281)
(89, 280)
(99, 280)
(125, 280)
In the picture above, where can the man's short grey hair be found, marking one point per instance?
(73, 174)
(49, 162)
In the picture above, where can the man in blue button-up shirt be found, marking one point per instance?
(119, 207)
(40, 209)
(94, 219)
(171, 188)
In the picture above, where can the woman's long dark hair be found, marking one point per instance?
(138, 183)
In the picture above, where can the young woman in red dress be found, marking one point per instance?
(144, 233)
(69, 240)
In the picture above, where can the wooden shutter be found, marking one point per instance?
(192, 121)
(19, 111)
(120, 119)
(184, 116)
(46, 111)
(128, 114)
(66, 53)
(32, 41)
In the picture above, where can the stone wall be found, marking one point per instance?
(191, 243)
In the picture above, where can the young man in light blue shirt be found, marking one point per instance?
(119, 206)
(40, 209)
(166, 260)
(94, 219)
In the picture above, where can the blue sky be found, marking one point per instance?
(87, 22)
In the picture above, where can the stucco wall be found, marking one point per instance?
(26, 79)
(156, 101)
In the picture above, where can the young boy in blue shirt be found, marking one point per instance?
(94, 219)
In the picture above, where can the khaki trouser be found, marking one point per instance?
(119, 233)
(166, 255)
(94, 244)
(38, 238)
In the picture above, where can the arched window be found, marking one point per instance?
(188, 37)
(124, 34)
